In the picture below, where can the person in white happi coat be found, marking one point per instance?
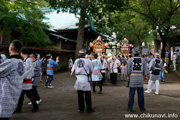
(83, 68)
(114, 64)
(27, 83)
(11, 79)
(136, 71)
(155, 67)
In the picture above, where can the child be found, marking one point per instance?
(50, 72)
(123, 69)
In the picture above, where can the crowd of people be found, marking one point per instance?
(21, 73)
(133, 68)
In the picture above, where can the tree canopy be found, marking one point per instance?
(163, 16)
(23, 21)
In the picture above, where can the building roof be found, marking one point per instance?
(64, 21)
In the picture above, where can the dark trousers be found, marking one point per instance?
(100, 85)
(113, 77)
(49, 80)
(35, 93)
(104, 75)
(140, 92)
(30, 96)
(87, 99)
(4, 119)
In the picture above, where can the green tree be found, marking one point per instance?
(23, 20)
(97, 8)
(162, 15)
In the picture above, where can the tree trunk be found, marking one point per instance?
(164, 42)
(157, 45)
(139, 43)
(80, 37)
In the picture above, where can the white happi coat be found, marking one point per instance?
(113, 65)
(152, 67)
(104, 66)
(136, 68)
(29, 72)
(83, 67)
(11, 79)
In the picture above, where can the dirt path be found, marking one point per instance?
(60, 103)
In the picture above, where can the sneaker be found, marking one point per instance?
(156, 93)
(147, 91)
(50, 87)
(38, 102)
(45, 86)
(30, 103)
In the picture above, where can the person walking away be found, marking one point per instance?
(83, 69)
(36, 78)
(95, 74)
(174, 61)
(27, 83)
(11, 79)
(50, 72)
(2, 56)
(104, 68)
(136, 69)
(123, 69)
(113, 67)
(155, 67)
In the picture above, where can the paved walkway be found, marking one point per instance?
(60, 103)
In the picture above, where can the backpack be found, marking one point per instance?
(137, 66)
(156, 67)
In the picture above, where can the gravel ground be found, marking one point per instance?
(60, 103)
